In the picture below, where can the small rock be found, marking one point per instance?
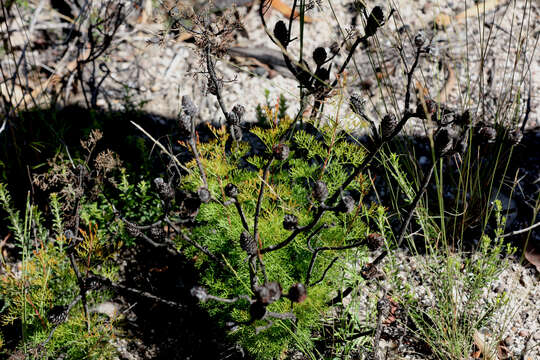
(523, 333)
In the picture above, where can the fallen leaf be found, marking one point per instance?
(532, 254)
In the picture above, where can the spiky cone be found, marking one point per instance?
(58, 314)
(370, 271)
(419, 39)
(515, 137)
(443, 142)
(204, 194)
(319, 56)
(375, 20)
(487, 134)
(281, 33)
(165, 191)
(320, 191)
(248, 243)
(268, 293)
(374, 241)
(231, 190)
(157, 233)
(357, 103)
(257, 311)
(188, 106)
(346, 205)
(290, 222)
(132, 230)
(388, 126)
(297, 293)
(200, 293)
(280, 152)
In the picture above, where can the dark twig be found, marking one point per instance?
(70, 306)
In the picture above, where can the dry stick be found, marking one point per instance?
(241, 213)
(70, 306)
(414, 204)
(195, 244)
(193, 144)
(146, 295)
(520, 231)
(382, 307)
(328, 248)
(213, 78)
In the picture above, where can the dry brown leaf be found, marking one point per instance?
(532, 254)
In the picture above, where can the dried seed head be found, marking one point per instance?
(132, 230)
(188, 106)
(370, 271)
(290, 222)
(320, 191)
(165, 190)
(297, 293)
(257, 311)
(375, 20)
(374, 241)
(212, 88)
(388, 126)
(204, 194)
(93, 283)
(236, 132)
(184, 125)
(281, 33)
(427, 109)
(239, 110)
(319, 56)
(419, 39)
(280, 152)
(515, 137)
(231, 190)
(200, 293)
(268, 293)
(346, 205)
(157, 233)
(383, 307)
(58, 314)
(357, 103)
(443, 142)
(334, 48)
(248, 244)
(487, 134)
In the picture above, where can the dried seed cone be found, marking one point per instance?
(281, 33)
(231, 190)
(188, 106)
(239, 111)
(212, 88)
(257, 311)
(297, 293)
(370, 271)
(383, 307)
(290, 222)
(319, 56)
(374, 241)
(200, 293)
(157, 233)
(236, 132)
(184, 125)
(268, 293)
(165, 190)
(320, 191)
(132, 230)
(58, 314)
(204, 194)
(280, 152)
(375, 20)
(487, 134)
(248, 244)
(419, 39)
(346, 205)
(515, 137)
(357, 103)
(93, 283)
(388, 126)
(443, 142)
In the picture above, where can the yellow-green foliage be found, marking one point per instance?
(315, 155)
(44, 278)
